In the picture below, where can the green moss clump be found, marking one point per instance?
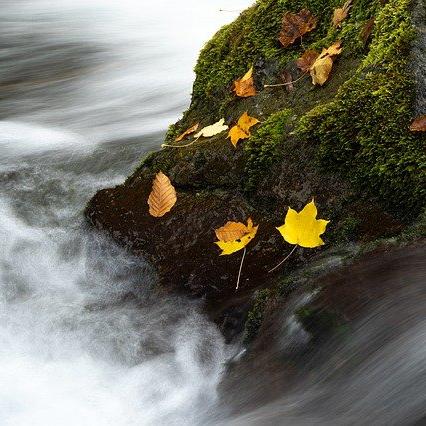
(363, 132)
(255, 315)
(264, 146)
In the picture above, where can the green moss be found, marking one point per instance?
(256, 314)
(363, 132)
(265, 145)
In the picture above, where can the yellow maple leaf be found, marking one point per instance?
(242, 129)
(244, 87)
(213, 129)
(321, 68)
(303, 229)
(234, 236)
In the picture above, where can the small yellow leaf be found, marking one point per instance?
(213, 129)
(234, 236)
(321, 68)
(244, 87)
(187, 132)
(341, 13)
(242, 129)
(162, 197)
(303, 228)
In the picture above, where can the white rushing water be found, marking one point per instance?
(86, 87)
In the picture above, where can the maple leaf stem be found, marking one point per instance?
(279, 264)
(179, 146)
(285, 84)
(241, 267)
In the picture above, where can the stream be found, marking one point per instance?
(86, 89)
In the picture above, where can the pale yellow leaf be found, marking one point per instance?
(213, 129)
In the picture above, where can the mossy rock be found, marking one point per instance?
(346, 143)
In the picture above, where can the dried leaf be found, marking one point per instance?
(187, 132)
(287, 78)
(341, 13)
(243, 233)
(303, 228)
(242, 129)
(244, 87)
(321, 68)
(162, 197)
(305, 62)
(419, 124)
(295, 25)
(367, 29)
(213, 129)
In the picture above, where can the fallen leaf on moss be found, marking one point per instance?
(321, 68)
(305, 62)
(303, 228)
(234, 236)
(341, 13)
(295, 25)
(242, 129)
(244, 87)
(162, 197)
(213, 129)
(367, 29)
(187, 132)
(419, 124)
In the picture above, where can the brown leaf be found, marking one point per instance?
(162, 197)
(341, 13)
(321, 68)
(305, 62)
(419, 124)
(244, 87)
(187, 132)
(231, 231)
(295, 25)
(287, 78)
(367, 29)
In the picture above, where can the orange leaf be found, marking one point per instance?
(162, 197)
(244, 87)
(231, 231)
(242, 129)
(187, 132)
(419, 124)
(308, 58)
(295, 25)
(234, 236)
(341, 13)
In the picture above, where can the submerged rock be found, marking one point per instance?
(347, 144)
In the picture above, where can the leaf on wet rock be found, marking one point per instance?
(321, 68)
(341, 13)
(242, 129)
(419, 124)
(303, 228)
(244, 87)
(187, 132)
(213, 129)
(234, 236)
(295, 25)
(162, 197)
(305, 62)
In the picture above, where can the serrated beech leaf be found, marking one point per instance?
(295, 25)
(162, 197)
(303, 228)
(234, 236)
(242, 129)
(213, 129)
(244, 87)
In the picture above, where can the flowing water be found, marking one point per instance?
(86, 88)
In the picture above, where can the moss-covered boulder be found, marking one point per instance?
(346, 143)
